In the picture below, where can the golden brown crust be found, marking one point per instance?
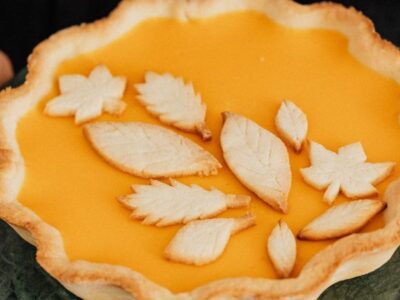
(351, 256)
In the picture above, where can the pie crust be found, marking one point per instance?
(349, 257)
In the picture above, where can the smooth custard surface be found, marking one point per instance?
(239, 62)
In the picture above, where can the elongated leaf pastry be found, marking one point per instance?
(174, 103)
(162, 204)
(292, 125)
(149, 151)
(88, 97)
(282, 249)
(346, 171)
(202, 242)
(341, 220)
(258, 159)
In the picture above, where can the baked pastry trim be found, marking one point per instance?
(348, 257)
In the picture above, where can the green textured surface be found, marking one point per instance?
(22, 278)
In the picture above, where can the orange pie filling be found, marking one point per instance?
(239, 62)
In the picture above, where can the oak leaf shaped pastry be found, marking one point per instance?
(202, 242)
(341, 220)
(345, 171)
(163, 205)
(149, 151)
(292, 125)
(88, 97)
(282, 249)
(258, 158)
(174, 102)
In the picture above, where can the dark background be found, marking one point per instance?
(23, 24)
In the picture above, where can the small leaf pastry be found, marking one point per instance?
(282, 249)
(149, 151)
(174, 103)
(346, 171)
(88, 97)
(162, 204)
(292, 125)
(202, 242)
(341, 220)
(258, 159)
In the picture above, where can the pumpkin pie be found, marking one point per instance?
(105, 108)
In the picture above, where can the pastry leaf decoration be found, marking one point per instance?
(202, 242)
(282, 249)
(341, 220)
(258, 158)
(292, 125)
(87, 97)
(174, 102)
(162, 204)
(149, 151)
(346, 171)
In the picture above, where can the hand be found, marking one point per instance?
(6, 69)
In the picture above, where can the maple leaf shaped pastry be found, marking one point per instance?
(341, 220)
(202, 242)
(88, 97)
(163, 205)
(282, 249)
(346, 171)
(149, 151)
(258, 158)
(292, 125)
(174, 103)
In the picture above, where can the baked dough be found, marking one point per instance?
(341, 220)
(149, 151)
(258, 158)
(201, 242)
(87, 97)
(346, 171)
(162, 204)
(282, 249)
(174, 102)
